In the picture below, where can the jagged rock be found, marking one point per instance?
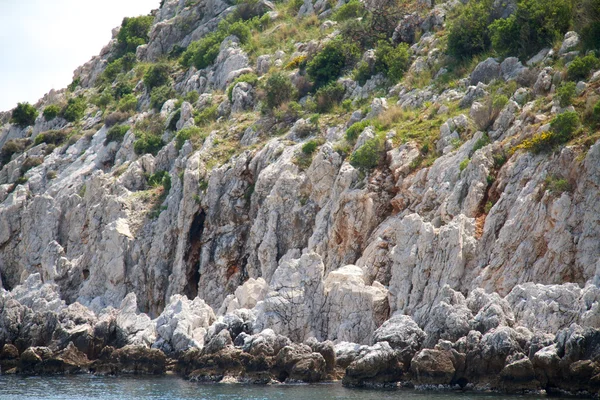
(9, 358)
(433, 367)
(570, 42)
(503, 9)
(473, 93)
(231, 62)
(327, 350)
(407, 28)
(299, 363)
(544, 81)
(263, 64)
(183, 324)
(450, 131)
(242, 97)
(511, 69)
(481, 113)
(137, 360)
(485, 72)
(402, 334)
(518, 374)
(378, 106)
(376, 364)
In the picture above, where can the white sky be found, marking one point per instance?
(43, 41)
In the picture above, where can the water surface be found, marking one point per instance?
(89, 387)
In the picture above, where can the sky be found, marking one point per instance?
(43, 41)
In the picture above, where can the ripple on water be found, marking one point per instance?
(89, 387)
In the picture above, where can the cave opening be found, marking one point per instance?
(192, 256)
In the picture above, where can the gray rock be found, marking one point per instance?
(485, 72)
(570, 42)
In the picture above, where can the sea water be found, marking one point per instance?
(89, 387)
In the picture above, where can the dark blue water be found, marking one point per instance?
(87, 387)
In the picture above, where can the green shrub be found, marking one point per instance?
(561, 131)
(329, 63)
(12, 147)
(21, 180)
(329, 95)
(363, 72)
(480, 143)
(392, 61)
(134, 32)
(192, 97)
(351, 10)
(73, 85)
(122, 89)
(587, 23)
(159, 95)
(565, 93)
(207, 115)
(187, 134)
(369, 154)
(102, 100)
(463, 164)
(498, 102)
(355, 130)
(116, 67)
(116, 133)
(468, 33)
(239, 29)
(278, 90)
(160, 178)
(535, 24)
(564, 125)
(250, 78)
(310, 147)
(157, 75)
(51, 137)
(127, 103)
(31, 162)
(24, 115)
(147, 143)
(75, 109)
(596, 112)
(358, 31)
(51, 112)
(203, 52)
(557, 185)
(581, 67)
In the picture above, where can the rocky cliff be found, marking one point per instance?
(467, 258)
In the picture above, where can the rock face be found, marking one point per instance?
(255, 246)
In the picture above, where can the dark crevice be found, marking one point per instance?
(4, 281)
(192, 256)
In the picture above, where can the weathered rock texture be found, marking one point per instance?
(464, 270)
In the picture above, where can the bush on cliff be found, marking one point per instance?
(24, 115)
(468, 32)
(392, 61)
(535, 24)
(278, 90)
(157, 75)
(330, 62)
(134, 32)
(75, 109)
(369, 154)
(51, 112)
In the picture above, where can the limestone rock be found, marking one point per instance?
(570, 42)
(403, 334)
(374, 364)
(485, 72)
